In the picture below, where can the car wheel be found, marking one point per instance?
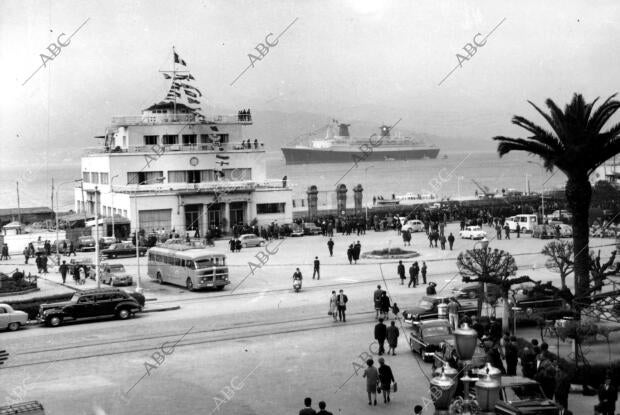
(160, 280)
(189, 284)
(244, 245)
(54, 321)
(13, 326)
(123, 314)
(261, 244)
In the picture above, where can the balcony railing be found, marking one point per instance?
(217, 186)
(181, 119)
(173, 148)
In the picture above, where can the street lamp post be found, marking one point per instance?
(97, 258)
(112, 203)
(542, 195)
(366, 174)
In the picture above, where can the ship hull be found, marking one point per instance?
(297, 155)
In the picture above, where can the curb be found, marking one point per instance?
(156, 310)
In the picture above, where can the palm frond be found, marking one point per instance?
(508, 144)
(602, 114)
(554, 122)
(540, 135)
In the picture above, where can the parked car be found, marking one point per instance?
(526, 222)
(521, 395)
(413, 225)
(86, 243)
(106, 241)
(473, 232)
(543, 232)
(312, 229)
(249, 239)
(92, 303)
(123, 249)
(471, 290)
(427, 335)
(427, 308)
(535, 303)
(11, 319)
(297, 230)
(115, 274)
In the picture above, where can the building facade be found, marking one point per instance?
(174, 169)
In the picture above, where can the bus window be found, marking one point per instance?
(205, 263)
(190, 264)
(182, 263)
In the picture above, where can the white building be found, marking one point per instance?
(173, 168)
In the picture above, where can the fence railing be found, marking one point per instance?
(180, 118)
(218, 186)
(172, 148)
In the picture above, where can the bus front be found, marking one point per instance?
(211, 271)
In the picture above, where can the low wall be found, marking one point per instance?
(17, 243)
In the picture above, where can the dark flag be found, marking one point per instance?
(193, 101)
(166, 76)
(191, 78)
(178, 94)
(190, 93)
(222, 157)
(178, 60)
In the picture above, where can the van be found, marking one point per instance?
(526, 222)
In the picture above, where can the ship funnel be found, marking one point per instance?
(385, 131)
(343, 130)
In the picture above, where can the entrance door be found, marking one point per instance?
(215, 215)
(192, 217)
(237, 213)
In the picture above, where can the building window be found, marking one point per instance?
(171, 139)
(206, 139)
(266, 208)
(193, 176)
(189, 139)
(94, 177)
(223, 138)
(150, 140)
(125, 212)
(177, 176)
(207, 176)
(145, 177)
(104, 178)
(86, 176)
(237, 175)
(103, 210)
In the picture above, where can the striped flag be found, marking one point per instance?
(178, 60)
(166, 76)
(190, 93)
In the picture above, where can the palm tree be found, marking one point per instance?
(577, 146)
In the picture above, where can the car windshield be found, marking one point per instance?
(210, 262)
(425, 304)
(117, 268)
(75, 298)
(523, 392)
(436, 331)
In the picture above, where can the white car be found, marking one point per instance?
(11, 319)
(413, 225)
(249, 239)
(473, 232)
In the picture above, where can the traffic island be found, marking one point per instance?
(390, 253)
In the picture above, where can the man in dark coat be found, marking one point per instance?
(494, 357)
(63, 271)
(341, 301)
(381, 335)
(512, 356)
(545, 375)
(357, 249)
(350, 254)
(528, 363)
(330, 246)
(562, 387)
(401, 272)
(412, 276)
(607, 397)
(317, 265)
(451, 240)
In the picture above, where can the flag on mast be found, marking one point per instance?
(177, 59)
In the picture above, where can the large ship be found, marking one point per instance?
(339, 147)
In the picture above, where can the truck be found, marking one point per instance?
(23, 408)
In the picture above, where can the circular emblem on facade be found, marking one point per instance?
(193, 161)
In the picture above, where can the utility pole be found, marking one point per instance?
(97, 259)
(19, 209)
(83, 201)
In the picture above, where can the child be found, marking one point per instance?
(395, 310)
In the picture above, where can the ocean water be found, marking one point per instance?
(444, 177)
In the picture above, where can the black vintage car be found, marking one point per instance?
(519, 395)
(123, 249)
(427, 308)
(92, 303)
(426, 337)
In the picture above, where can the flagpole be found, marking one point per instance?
(174, 77)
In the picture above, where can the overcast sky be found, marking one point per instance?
(338, 55)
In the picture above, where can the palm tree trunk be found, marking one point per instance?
(578, 195)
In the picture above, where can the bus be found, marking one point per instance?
(188, 266)
(526, 223)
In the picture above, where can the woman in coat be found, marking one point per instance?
(333, 305)
(386, 378)
(384, 304)
(372, 379)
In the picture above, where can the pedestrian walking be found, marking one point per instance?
(518, 229)
(395, 310)
(498, 231)
(232, 244)
(413, 275)
(342, 306)
(82, 274)
(26, 253)
(44, 263)
(423, 269)
(381, 335)
(442, 242)
(451, 240)
(453, 313)
(376, 297)
(507, 231)
(545, 375)
(63, 271)
(322, 406)
(512, 356)
(392, 337)
(357, 249)
(76, 275)
(385, 305)
(386, 378)
(307, 410)
(400, 270)
(333, 305)
(330, 247)
(5, 252)
(528, 362)
(238, 245)
(71, 249)
(372, 379)
(317, 265)
(350, 254)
